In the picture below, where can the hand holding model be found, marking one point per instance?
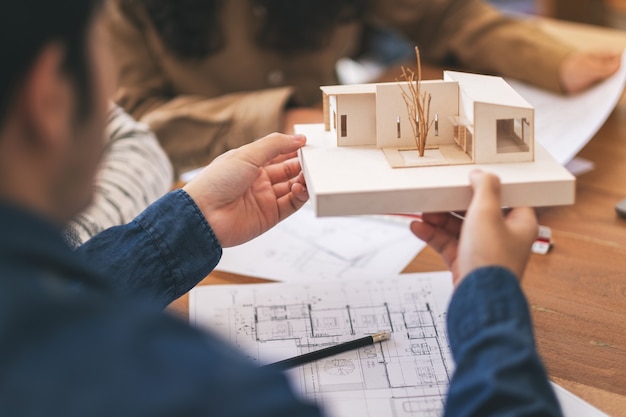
(486, 237)
(248, 190)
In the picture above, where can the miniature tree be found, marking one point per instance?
(417, 104)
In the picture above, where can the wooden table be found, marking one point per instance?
(577, 292)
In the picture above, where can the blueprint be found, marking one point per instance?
(305, 247)
(406, 376)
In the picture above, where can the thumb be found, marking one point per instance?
(486, 199)
(264, 150)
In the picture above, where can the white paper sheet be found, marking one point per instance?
(574, 406)
(579, 166)
(306, 247)
(565, 124)
(405, 376)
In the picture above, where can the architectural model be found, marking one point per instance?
(474, 119)
(373, 156)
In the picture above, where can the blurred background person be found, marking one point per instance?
(207, 75)
(133, 174)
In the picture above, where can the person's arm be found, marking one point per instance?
(499, 372)
(161, 254)
(482, 39)
(498, 369)
(178, 240)
(101, 357)
(134, 173)
(193, 129)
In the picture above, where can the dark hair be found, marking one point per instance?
(192, 29)
(27, 26)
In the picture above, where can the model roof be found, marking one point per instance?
(487, 89)
(333, 90)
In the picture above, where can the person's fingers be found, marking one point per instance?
(292, 201)
(434, 218)
(282, 188)
(600, 68)
(283, 171)
(450, 223)
(486, 200)
(607, 60)
(442, 242)
(522, 222)
(283, 157)
(611, 66)
(300, 191)
(262, 151)
(423, 230)
(582, 69)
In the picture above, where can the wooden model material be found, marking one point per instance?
(363, 159)
(417, 105)
(462, 107)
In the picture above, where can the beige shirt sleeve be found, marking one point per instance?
(192, 129)
(477, 36)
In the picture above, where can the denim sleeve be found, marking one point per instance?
(161, 254)
(498, 369)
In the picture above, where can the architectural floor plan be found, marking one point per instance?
(303, 247)
(406, 376)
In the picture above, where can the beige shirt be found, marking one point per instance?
(201, 108)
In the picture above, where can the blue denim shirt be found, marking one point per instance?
(82, 333)
(498, 370)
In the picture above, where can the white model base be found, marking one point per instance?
(359, 180)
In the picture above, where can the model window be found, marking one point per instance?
(512, 135)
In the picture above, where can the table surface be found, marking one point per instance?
(577, 292)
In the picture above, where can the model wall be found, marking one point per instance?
(390, 106)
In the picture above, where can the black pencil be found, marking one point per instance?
(329, 351)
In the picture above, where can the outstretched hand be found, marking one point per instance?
(248, 190)
(485, 237)
(582, 69)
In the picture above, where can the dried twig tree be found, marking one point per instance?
(417, 103)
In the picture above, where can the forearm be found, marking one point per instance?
(165, 251)
(489, 41)
(474, 35)
(499, 371)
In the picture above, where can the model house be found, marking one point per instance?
(473, 119)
